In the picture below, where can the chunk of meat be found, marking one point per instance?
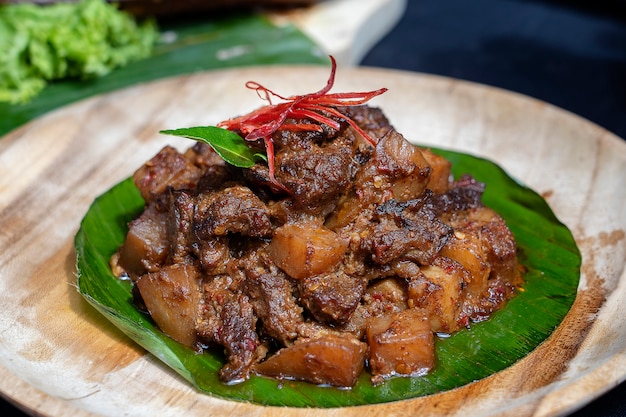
(406, 230)
(332, 297)
(180, 218)
(371, 119)
(146, 246)
(227, 318)
(213, 254)
(335, 360)
(439, 178)
(498, 242)
(231, 210)
(410, 170)
(271, 294)
(487, 248)
(439, 291)
(401, 343)
(167, 169)
(317, 175)
(386, 296)
(464, 194)
(396, 170)
(467, 249)
(172, 296)
(306, 249)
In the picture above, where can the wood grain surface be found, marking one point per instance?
(58, 356)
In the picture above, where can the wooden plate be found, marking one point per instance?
(59, 357)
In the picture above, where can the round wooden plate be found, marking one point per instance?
(58, 356)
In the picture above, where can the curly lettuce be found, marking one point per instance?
(80, 40)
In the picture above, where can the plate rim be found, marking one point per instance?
(603, 136)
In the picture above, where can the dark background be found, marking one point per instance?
(571, 54)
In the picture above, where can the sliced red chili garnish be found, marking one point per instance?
(318, 107)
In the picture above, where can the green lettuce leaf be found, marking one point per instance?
(80, 40)
(547, 250)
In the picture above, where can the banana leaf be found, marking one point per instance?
(191, 46)
(547, 250)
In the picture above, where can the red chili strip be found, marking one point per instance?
(263, 122)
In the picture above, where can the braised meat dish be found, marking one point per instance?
(362, 256)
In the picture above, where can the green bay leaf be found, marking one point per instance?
(228, 145)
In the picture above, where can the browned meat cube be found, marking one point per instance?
(349, 207)
(467, 249)
(180, 213)
(440, 292)
(410, 170)
(485, 246)
(305, 250)
(498, 242)
(440, 174)
(332, 297)
(271, 294)
(227, 318)
(317, 175)
(397, 170)
(166, 169)
(401, 343)
(172, 296)
(146, 244)
(405, 230)
(386, 296)
(335, 360)
(231, 210)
